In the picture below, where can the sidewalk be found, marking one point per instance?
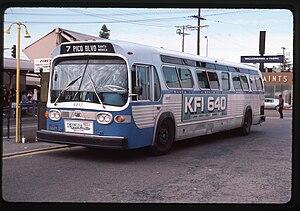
(11, 148)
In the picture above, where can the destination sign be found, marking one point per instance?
(87, 48)
(262, 59)
(198, 106)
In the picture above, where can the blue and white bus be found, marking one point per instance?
(123, 95)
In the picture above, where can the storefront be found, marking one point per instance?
(277, 83)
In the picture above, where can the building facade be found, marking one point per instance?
(277, 83)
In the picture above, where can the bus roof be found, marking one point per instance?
(127, 49)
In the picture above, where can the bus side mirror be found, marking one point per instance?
(137, 90)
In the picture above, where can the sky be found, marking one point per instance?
(230, 33)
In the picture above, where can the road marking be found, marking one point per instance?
(23, 126)
(37, 151)
(273, 117)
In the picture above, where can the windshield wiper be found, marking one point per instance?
(64, 89)
(95, 90)
(85, 68)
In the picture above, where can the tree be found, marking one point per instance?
(104, 32)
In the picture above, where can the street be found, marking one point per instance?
(218, 168)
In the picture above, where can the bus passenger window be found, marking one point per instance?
(171, 77)
(245, 84)
(259, 84)
(202, 80)
(213, 80)
(185, 78)
(253, 84)
(225, 81)
(237, 83)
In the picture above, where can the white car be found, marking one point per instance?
(272, 103)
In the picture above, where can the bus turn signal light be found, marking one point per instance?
(119, 119)
(46, 114)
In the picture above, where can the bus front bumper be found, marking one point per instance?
(112, 142)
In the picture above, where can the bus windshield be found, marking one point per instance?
(102, 81)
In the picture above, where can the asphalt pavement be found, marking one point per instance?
(219, 168)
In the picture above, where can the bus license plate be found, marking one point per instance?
(85, 127)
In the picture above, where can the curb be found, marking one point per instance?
(33, 150)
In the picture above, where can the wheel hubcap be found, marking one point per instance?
(163, 136)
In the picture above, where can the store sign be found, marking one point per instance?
(87, 48)
(197, 106)
(282, 78)
(42, 65)
(262, 59)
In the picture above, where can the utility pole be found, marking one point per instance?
(283, 64)
(198, 29)
(262, 41)
(180, 31)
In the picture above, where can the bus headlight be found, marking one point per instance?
(104, 118)
(54, 114)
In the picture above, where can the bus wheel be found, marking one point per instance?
(246, 127)
(164, 138)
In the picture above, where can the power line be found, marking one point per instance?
(154, 12)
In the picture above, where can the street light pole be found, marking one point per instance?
(27, 35)
(178, 31)
(206, 45)
(18, 86)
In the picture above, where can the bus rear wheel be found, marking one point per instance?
(247, 122)
(164, 138)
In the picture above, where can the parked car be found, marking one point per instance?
(272, 103)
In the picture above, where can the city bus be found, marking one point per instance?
(124, 95)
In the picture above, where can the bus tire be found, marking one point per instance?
(164, 137)
(247, 122)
